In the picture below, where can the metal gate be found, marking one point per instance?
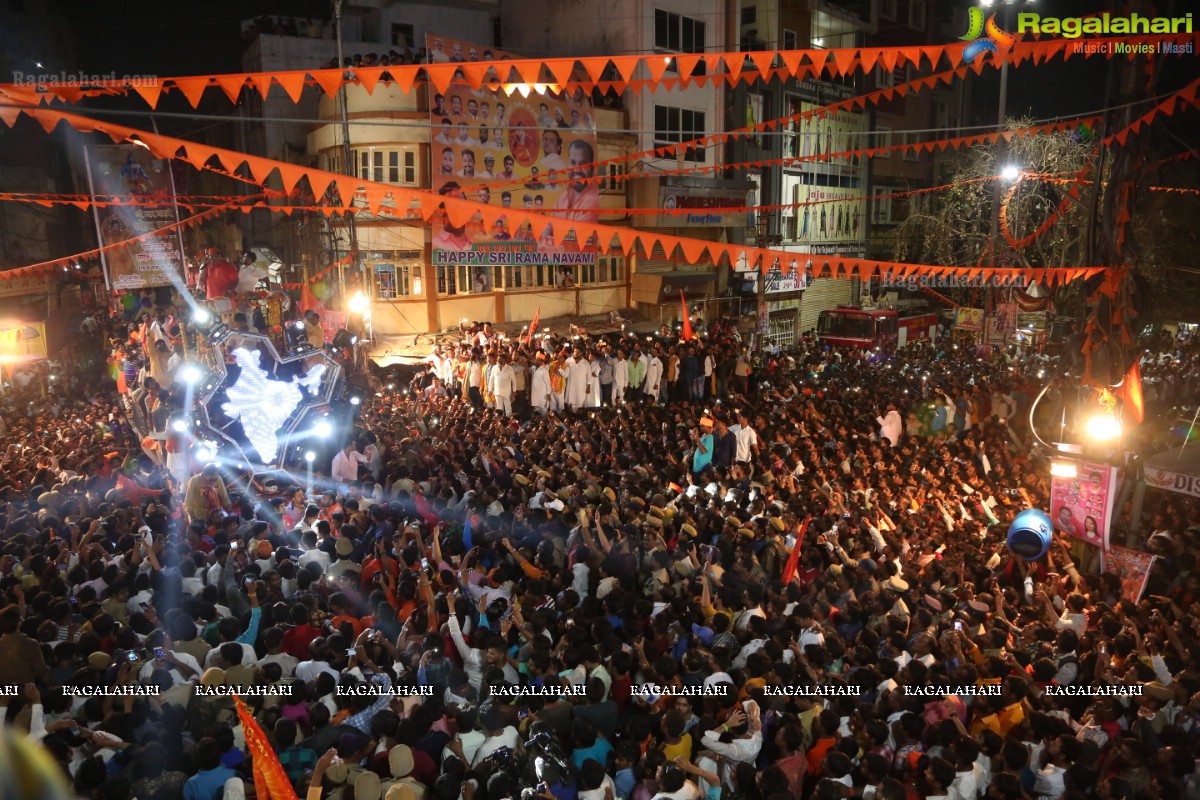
(781, 332)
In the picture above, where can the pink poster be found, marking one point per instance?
(1082, 506)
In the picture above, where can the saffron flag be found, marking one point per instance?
(687, 334)
(789, 570)
(308, 300)
(270, 780)
(1133, 404)
(537, 316)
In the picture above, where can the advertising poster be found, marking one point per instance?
(826, 214)
(534, 152)
(1082, 506)
(129, 170)
(1132, 567)
(818, 136)
(968, 319)
(789, 277)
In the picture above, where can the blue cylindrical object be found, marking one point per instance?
(1030, 534)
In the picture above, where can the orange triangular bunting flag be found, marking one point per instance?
(844, 59)
(934, 54)
(192, 89)
(887, 58)
(627, 65)
(657, 65)
(561, 69)
(292, 83)
(369, 78)
(687, 64)
(763, 59)
(231, 85)
(475, 72)
(867, 59)
(791, 61)
(290, 176)
(198, 155)
(595, 67)
(262, 82)
(330, 80)
(733, 65)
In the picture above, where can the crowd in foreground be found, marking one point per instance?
(621, 559)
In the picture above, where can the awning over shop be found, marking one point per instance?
(662, 287)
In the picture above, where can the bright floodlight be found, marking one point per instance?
(323, 429)
(355, 401)
(205, 454)
(179, 426)
(1103, 428)
(201, 316)
(359, 303)
(190, 374)
(310, 456)
(1010, 173)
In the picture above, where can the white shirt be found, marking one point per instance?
(737, 751)
(249, 657)
(177, 677)
(308, 671)
(746, 438)
(345, 467)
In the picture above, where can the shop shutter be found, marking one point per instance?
(823, 294)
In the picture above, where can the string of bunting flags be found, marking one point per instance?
(597, 72)
(459, 211)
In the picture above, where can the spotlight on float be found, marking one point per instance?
(310, 456)
(1103, 428)
(1030, 534)
(1010, 173)
(323, 429)
(179, 426)
(296, 335)
(190, 374)
(355, 400)
(344, 339)
(202, 318)
(359, 303)
(206, 453)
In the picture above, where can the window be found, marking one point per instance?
(883, 138)
(888, 10)
(674, 125)
(403, 35)
(678, 33)
(463, 279)
(614, 182)
(881, 208)
(790, 40)
(607, 269)
(911, 139)
(749, 15)
(885, 79)
(528, 277)
(918, 12)
(381, 165)
(398, 277)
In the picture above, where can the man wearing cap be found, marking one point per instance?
(489, 163)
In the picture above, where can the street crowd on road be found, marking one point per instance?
(556, 570)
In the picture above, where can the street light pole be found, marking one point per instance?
(348, 165)
(1001, 110)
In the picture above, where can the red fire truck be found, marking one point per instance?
(855, 326)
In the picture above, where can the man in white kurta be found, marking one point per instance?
(504, 381)
(540, 393)
(620, 378)
(595, 365)
(654, 374)
(579, 377)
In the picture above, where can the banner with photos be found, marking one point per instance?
(534, 153)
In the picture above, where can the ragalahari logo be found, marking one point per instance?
(996, 41)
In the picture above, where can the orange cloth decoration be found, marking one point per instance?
(270, 780)
(687, 334)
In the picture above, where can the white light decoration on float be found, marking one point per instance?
(263, 405)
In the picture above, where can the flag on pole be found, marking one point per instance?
(687, 334)
(270, 780)
(789, 570)
(1133, 403)
(537, 315)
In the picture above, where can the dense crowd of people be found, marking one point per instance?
(515, 582)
